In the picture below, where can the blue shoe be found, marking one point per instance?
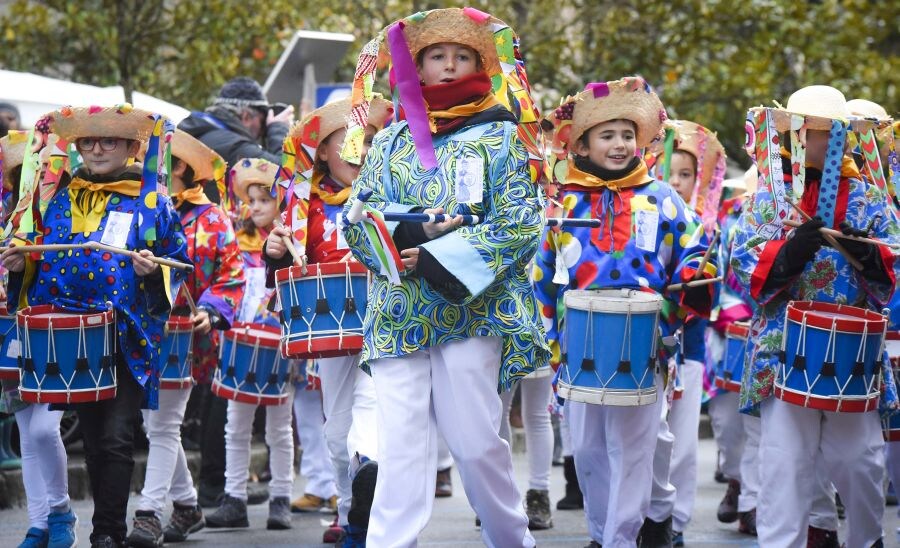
(35, 538)
(354, 537)
(62, 529)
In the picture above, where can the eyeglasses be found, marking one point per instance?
(86, 144)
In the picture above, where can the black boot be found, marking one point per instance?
(573, 500)
(655, 534)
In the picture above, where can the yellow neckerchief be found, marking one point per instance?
(193, 195)
(848, 166)
(328, 196)
(462, 111)
(250, 242)
(89, 200)
(637, 177)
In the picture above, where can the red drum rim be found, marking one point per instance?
(321, 347)
(861, 321)
(9, 373)
(266, 335)
(892, 434)
(738, 330)
(892, 335)
(65, 320)
(823, 403)
(31, 395)
(229, 393)
(179, 324)
(325, 269)
(730, 386)
(175, 384)
(4, 312)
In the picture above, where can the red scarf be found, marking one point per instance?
(451, 104)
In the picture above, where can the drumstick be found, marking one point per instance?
(706, 256)
(830, 239)
(190, 300)
(96, 246)
(693, 283)
(286, 240)
(41, 248)
(839, 234)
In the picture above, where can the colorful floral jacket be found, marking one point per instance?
(85, 280)
(217, 282)
(827, 278)
(649, 238)
(489, 260)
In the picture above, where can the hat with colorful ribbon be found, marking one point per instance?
(252, 171)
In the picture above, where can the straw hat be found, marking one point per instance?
(690, 137)
(867, 109)
(252, 171)
(333, 117)
(630, 98)
(202, 159)
(820, 105)
(12, 147)
(123, 121)
(456, 25)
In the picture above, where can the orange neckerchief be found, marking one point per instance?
(466, 110)
(251, 242)
(193, 195)
(89, 200)
(327, 195)
(576, 177)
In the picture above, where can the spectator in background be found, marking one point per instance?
(9, 118)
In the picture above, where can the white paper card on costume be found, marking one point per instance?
(469, 180)
(646, 223)
(254, 293)
(302, 190)
(561, 274)
(342, 242)
(14, 349)
(118, 225)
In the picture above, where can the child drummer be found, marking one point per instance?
(216, 285)
(798, 265)
(348, 394)
(463, 315)
(647, 239)
(103, 202)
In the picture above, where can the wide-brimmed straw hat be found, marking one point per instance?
(202, 159)
(819, 106)
(252, 171)
(867, 109)
(455, 25)
(703, 144)
(122, 121)
(334, 115)
(630, 98)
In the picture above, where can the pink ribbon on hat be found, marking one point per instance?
(411, 95)
(476, 15)
(599, 89)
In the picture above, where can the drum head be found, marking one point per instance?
(841, 317)
(619, 301)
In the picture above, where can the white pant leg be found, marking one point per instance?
(536, 394)
(565, 435)
(467, 409)
(853, 451)
(182, 489)
(662, 492)
(315, 464)
(789, 441)
(823, 511)
(728, 427)
(238, 430)
(444, 458)
(44, 470)
(339, 377)
(749, 464)
(163, 427)
(407, 448)
(363, 436)
(684, 422)
(892, 458)
(506, 398)
(587, 428)
(280, 439)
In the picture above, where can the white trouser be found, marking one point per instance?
(728, 429)
(44, 470)
(823, 510)
(613, 449)
(565, 434)
(444, 458)
(165, 457)
(684, 422)
(348, 400)
(749, 464)
(662, 493)
(315, 465)
(892, 457)
(852, 449)
(279, 438)
(536, 393)
(451, 388)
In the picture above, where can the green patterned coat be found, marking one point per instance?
(490, 259)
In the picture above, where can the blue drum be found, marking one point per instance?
(323, 306)
(176, 354)
(9, 346)
(832, 357)
(251, 369)
(731, 368)
(66, 357)
(610, 338)
(892, 347)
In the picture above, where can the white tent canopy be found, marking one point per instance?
(37, 95)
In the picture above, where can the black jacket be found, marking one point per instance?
(222, 131)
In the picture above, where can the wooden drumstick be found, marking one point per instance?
(829, 238)
(190, 300)
(693, 283)
(707, 255)
(286, 240)
(41, 248)
(96, 246)
(841, 235)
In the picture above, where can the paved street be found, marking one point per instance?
(453, 521)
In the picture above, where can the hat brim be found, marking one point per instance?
(333, 117)
(452, 25)
(122, 121)
(198, 156)
(259, 172)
